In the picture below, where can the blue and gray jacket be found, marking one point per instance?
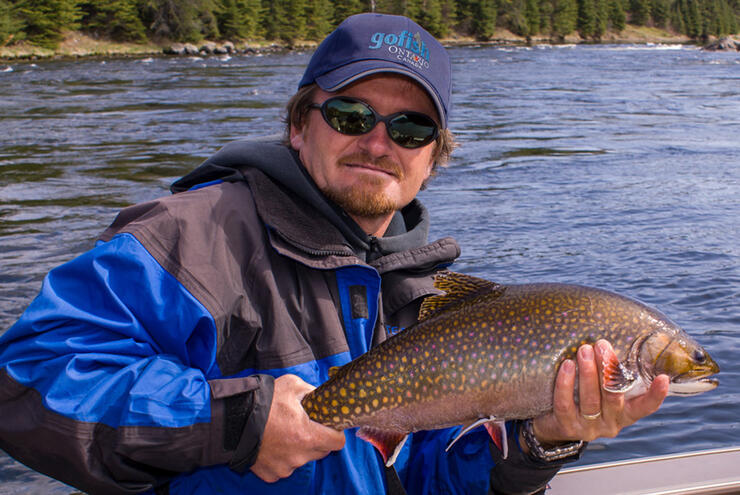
(147, 363)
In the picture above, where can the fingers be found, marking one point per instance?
(290, 439)
(589, 387)
(648, 403)
(597, 412)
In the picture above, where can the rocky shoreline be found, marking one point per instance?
(78, 45)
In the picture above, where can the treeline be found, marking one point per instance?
(44, 22)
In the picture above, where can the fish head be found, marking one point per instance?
(674, 353)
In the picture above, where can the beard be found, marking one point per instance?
(366, 198)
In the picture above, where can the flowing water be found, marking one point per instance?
(612, 166)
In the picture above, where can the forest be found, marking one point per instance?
(44, 22)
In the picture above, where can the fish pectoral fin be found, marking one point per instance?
(388, 443)
(617, 378)
(496, 430)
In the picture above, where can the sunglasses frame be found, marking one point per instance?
(386, 119)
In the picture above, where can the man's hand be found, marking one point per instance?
(599, 413)
(291, 439)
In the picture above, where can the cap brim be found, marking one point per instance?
(349, 73)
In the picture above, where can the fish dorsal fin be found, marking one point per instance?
(459, 288)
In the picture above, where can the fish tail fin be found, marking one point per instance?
(388, 443)
(617, 378)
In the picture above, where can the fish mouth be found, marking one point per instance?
(688, 384)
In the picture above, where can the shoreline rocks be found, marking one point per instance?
(724, 44)
(207, 48)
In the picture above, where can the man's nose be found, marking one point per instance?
(377, 142)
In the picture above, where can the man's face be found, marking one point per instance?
(368, 175)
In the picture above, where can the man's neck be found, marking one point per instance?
(374, 226)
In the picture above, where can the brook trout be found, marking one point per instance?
(484, 353)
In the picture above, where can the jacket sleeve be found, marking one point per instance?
(109, 380)
(473, 465)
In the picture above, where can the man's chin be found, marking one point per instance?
(361, 202)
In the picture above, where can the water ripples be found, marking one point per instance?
(612, 166)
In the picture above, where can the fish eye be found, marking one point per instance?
(700, 356)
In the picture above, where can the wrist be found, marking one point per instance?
(542, 437)
(532, 446)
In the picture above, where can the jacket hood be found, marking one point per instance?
(409, 227)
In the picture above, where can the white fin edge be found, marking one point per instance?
(501, 425)
(396, 451)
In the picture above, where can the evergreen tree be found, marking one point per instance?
(44, 21)
(464, 16)
(545, 8)
(564, 18)
(272, 12)
(238, 19)
(11, 27)
(513, 16)
(660, 12)
(532, 17)
(393, 7)
(617, 17)
(293, 23)
(602, 18)
(586, 18)
(346, 8)
(691, 18)
(483, 22)
(640, 10)
(676, 17)
(115, 19)
(181, 20)
(411, 9)
(319, 14)
(430, 17)
(449, 16)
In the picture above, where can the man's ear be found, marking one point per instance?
(296, 136)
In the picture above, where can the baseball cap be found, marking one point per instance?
(366, 44)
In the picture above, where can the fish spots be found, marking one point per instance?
(483, 347)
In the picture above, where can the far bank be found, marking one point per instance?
(76, 44)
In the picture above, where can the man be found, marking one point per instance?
(172, 357)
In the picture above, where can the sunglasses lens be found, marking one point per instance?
(348, 116)
(354, 117)
(412, 130)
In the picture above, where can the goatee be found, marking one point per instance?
(366, 198)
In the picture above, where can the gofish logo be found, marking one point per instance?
(407, 48)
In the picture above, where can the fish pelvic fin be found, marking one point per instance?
(388, 443)
(496, 430)
(617, 378)
(458, 288)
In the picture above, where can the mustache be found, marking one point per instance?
(383, 163)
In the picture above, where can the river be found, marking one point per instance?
(612, 166)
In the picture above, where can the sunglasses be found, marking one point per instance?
(354, 117)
